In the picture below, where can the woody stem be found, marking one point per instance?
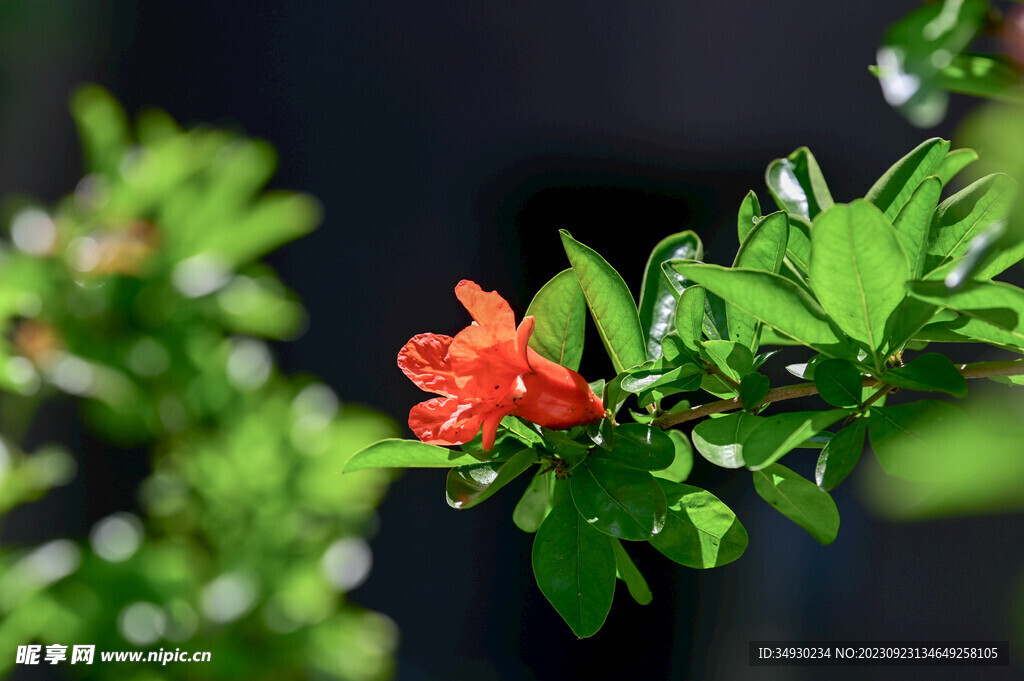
(789, 392)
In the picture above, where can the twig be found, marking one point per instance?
(790, 392)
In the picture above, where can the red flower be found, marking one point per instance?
(487, 372)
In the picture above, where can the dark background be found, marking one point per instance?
(451, 140)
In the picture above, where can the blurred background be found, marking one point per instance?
(450, 140)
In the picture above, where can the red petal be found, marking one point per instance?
(424, 360)
(486, 362)
(448, 421)
(487, 307)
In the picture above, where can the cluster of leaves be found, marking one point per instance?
(142, 299)
(860, 285)
(925, 56)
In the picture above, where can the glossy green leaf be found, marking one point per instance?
(731, 357)
(716, 320)
(858, 269)
(627, 571)
(469, 485)
(913, 224)
(395, 453)
(775, 436)
(657, 294)
(955, 161)
(797, 185)
(800, 500)
(749, 214)
(620, 501)
(892, 428)
(909, 317)
(966, 214)
(838, 382)
(574, 566)
(720, 440)
(682, 462)
(992, 311)
(560, 313)
(841, 454)
(775, 301)
(753, 390)
(930, 371)
(534, 505)
(798, 247)
(611, 305)
(642, 447)
(893, 189)
(700, 531)
(763, 249)
(689, 314)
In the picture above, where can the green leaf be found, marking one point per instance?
(749, 213)
(628, 573)
(838, 382)
(690, 315)
(892, 429)
(274, 219)
(797, 185)
(800, 500)
(893, 190)
(775, 301)
(753, 390)
(731, 357)
(909, 317)
(992, 311)
(611, 305)
(395, 453)
(700, 531)
(534, 505)
(643, 447)
(775, 436)
(955, 161)
(930, 371)
(721, 439)
(994, 76)
(913, 224)
(682, 463)
(102, 126)
(840, 455)
(657, 294)
(559, 311)
(964, 215)
(574, 566)
(798, 248)
(763, 249)
(858, 270)
(623, 502)
(469, 485)
(917, 47)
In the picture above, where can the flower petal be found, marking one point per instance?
(424, 359)
(448, 421)
(486, 307)
(486, 362)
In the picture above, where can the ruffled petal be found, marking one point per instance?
(486, 307)
(486, 362)
(449, 421)
(424, 359)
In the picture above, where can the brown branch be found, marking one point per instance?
(789, 392)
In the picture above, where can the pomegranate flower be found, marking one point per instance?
(486, 372)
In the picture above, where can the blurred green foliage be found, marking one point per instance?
(142, 297)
